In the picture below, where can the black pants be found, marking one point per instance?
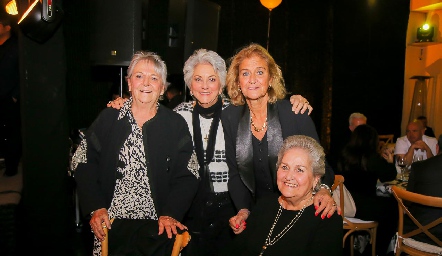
(210, 231)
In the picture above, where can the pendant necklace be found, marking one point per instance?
(268, 242)
(256, 128)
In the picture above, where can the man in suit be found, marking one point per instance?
(425, 178)
(428, 130)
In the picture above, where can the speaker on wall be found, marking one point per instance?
(116, 30)
(202, 22)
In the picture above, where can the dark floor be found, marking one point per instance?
(17, 240)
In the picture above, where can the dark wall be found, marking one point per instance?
(338, 54)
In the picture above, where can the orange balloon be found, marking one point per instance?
(270, 4)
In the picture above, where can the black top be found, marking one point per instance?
(310, 235)
(242, 153)
(168, 149)
(429, 132)
(9, 69)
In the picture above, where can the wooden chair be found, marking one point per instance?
(181, 241)
(405, 240)
(385, 139)
(351, 225)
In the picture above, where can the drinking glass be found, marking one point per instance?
(417, 158)
(401, 162)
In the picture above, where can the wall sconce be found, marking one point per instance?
(425, 33)
(41, 20)
(11, 8)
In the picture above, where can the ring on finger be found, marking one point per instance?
(334, 204)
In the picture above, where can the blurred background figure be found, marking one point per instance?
(416, 143)
(428, 130)
(356, 119)
(10, 123)
(362, 166)
(174, 96)
(425, 178)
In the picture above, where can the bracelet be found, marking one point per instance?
(326, 187)
(244, 210)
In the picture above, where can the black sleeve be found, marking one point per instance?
(183, 181)
(239, 193)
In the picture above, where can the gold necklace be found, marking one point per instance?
(256, 128)
(268, 242)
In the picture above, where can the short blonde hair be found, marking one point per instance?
(159, 65)
(277, 88)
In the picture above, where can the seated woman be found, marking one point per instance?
(362, 166)
(137, 164)
(286, 224)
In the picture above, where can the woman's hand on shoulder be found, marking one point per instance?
(325, 204)
(169, 224)
(300, 104)
(98, 218)
(238, 222)
(117, 103)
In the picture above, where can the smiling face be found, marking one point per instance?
(254, 77)
(205, 85)
(295, 178)
(145, 83)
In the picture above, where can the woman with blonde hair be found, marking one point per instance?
(255, 126)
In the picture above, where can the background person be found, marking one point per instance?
(425, 178)
(136, 163)
(255, 126)
(285, 224)
(428, 130)
(416, 143)
(356, 119)
(10, 123)
(362, 166)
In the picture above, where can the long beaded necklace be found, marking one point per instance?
(256, 128)
(268, 242)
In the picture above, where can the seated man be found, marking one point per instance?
(416, 143)
(425, 178)
(428, 130)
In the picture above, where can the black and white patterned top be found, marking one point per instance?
(219, 172)
(132, 197)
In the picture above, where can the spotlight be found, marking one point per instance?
(41, 20)
(425, 33)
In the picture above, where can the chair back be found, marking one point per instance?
(384, 140)
(339, 180)
(402, 196)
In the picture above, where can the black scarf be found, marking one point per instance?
(213, 112)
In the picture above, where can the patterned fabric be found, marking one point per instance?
(132, 196)
(219, 172)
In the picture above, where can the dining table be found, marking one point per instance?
(384, 188)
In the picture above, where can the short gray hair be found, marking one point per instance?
(203, 56)
(356, 115)
(159, 65)
(314, 149)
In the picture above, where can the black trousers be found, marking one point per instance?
(210, 231)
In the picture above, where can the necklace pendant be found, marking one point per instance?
(263, 249)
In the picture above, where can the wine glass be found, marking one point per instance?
(417, 158)
(402, 163)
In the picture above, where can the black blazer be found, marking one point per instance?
(168, 148)
(282, 122)
(426, 178)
